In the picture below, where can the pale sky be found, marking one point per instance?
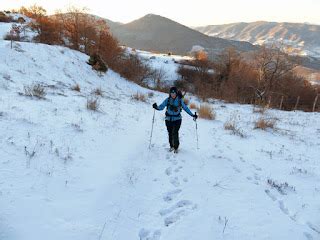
(190, 13)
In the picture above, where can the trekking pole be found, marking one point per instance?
(154, 112)
(197, 131)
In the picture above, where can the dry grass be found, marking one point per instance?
(93, 104)
(98, 91)
(206, 112)
(260, 109)
(193, 106)
(35, 90)
(139, 97)
(235, 130)
(265, 123)
(76, 88)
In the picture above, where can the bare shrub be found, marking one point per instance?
(97, 63)
(93, 104)
(231, 125)
(265, 123)
(133, 68)
(158, 76)
(12, 37)
(76, 127)
(5, 18)
(206, 112)
(35, 90)
(98, 91)
(139, 97)
(76, 88)
(282, 188)
(260, 109)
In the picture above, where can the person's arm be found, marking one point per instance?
(185, 108)
(163, 105)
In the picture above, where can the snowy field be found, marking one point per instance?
(70, 173)
(166, 64)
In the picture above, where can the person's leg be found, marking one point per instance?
(170, 134)
(175, 132)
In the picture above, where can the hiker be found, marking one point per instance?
(174, 103)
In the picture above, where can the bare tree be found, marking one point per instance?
(272, 64)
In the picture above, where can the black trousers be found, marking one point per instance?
(173, 132)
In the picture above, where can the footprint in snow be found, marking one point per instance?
(237, 169)
(173, 161)
(270, 195)
(313, 227)
(178, 205)
(169, 196)
(175, 182)
(256, 167)
(178, 210)
(168, 171)
(257, 177)
(283, 208)
(174, 218)
(308, 236)
(145, 234)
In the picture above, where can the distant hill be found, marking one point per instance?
(302, 38)
(156, 33)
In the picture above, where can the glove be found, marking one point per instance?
(195, 116)
(155, 106)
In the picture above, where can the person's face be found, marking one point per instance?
(173, 95)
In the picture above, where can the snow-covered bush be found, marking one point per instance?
(282, 188)
(98, 91)
(76, 88)
(231, 125)
(139, 97)
(97, 63)
(35, 90)
(260, 109)
(93, 104)
(264, 124)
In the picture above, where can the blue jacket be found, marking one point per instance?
(173, 112)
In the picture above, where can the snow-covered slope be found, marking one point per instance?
(26, 33)
(70, 173)
(167, 65)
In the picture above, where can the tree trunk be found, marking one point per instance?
(315, 103)
(295, 107)
(281, 103)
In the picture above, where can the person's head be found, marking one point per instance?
(173, 92)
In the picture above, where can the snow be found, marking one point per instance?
(27, 34)
(93, 177)
(4, 29)
(163, 62)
